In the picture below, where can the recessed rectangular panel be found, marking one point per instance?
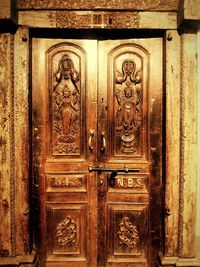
(127, 229)
(67, 83)
(66, 182)
(130, 183)
(66, 230)
(128, 82)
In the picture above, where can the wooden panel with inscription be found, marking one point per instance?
(66, 182)
(130, 183)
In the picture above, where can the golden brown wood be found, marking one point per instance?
(99, 4)
(14, 202)
(124, 84)
(188, 143)
(92, 219)
(6, 128)
(65, 117)
(188, 12)
(7, 9)
(21, 119)
(172, 141)
(92, 19)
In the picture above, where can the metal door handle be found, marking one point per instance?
(103, 142)
(91, 140)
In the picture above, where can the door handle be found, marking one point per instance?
(103, 142)
(91, 140)
(100, 169)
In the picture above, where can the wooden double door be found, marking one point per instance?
(97, 151)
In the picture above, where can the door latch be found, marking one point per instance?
(101, 169)
(111, 180)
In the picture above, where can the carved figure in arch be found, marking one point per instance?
(66, 104)
(128, 117)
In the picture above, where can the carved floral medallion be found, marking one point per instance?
(66, 232)
(128, 233)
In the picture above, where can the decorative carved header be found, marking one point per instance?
(99, 4)
(110, 20)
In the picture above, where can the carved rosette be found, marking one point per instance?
(128, 233)
(66, 107)
(66, 232)
(128, 98)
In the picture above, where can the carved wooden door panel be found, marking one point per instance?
(130, 136)
(97, 151)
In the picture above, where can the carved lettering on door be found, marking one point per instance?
(66, 108)
(130, 182)
(66, 182)
(128, 115)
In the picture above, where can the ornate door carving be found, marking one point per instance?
(97, 119)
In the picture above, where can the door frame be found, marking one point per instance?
(180, 136)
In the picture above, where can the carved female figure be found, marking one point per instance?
(68, 109)
(66, 94)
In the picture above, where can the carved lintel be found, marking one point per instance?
(99, 4)
(108, 20)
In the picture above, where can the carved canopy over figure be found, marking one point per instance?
(128, 117)
(128, 70)
(66, 71)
